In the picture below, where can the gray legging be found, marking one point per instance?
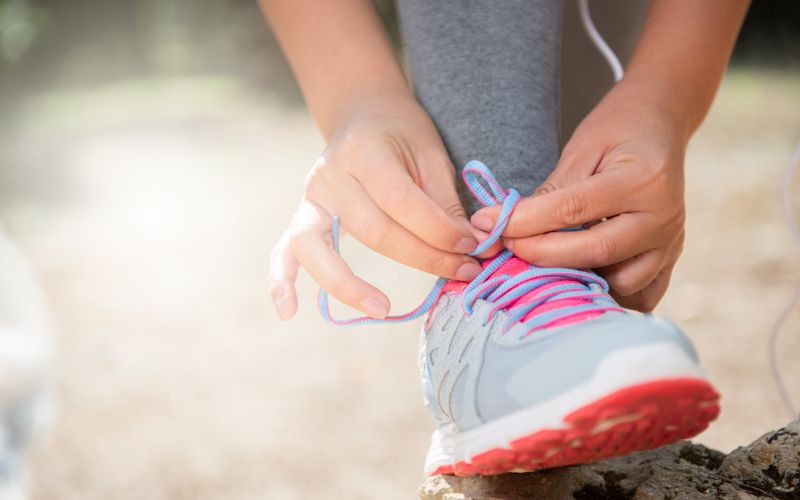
(490, 74)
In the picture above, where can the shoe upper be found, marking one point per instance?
(475, 368)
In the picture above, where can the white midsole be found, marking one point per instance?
(623, 368)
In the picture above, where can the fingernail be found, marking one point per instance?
(468, 270)
(374, 307)
(482, 222)
(466, 244)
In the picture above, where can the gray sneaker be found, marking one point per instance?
(528, 368)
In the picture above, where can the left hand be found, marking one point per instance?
(621, 174)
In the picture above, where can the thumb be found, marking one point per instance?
(576, 163)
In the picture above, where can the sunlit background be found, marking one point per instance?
(151, 153)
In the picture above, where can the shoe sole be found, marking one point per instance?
(637, 418)
(634, 417)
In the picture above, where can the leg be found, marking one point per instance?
(488, 74)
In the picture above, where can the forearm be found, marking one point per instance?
(682, 54)
(339, 53)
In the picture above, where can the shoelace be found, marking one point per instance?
(503, 291)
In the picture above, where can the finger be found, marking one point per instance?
(441, 188)
(493, 250)
(367, 223)
(395, 193)
(647, 299)
(603, 195)
(606, 243)
(310, 246)
(282, 277)
(437, 180)
(632, 275)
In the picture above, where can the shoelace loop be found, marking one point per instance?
(503, 291)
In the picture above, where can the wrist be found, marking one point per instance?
(666, 102)
(347, 106)
(384, 103)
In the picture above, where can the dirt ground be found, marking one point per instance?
(149, 209)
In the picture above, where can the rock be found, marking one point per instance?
(767, 468)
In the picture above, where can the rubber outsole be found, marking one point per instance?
(639, 417)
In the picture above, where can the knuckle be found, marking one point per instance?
(454, 208)
(545, 188)
(624, 283)
(444, 236)
(351, 142)
(345, 151)
(352, 150)
(373, 232)
(523, 249)
(571, 210)
(339, 288)
(600, 251)
(654, 165)
(445, 231)
(437, 263)
(396, 196)
(658, 167)
(656, 173)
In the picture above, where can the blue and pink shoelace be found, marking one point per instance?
(584, 291)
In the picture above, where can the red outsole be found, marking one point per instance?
(639, 417)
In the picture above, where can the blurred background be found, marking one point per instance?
(151, 153)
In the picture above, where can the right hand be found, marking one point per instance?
(387, 175)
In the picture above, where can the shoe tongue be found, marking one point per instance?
(511, 267)
(515, 266)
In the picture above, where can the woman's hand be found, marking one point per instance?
(620, 175)
(387, 175)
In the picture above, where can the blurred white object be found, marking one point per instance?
(25, 352)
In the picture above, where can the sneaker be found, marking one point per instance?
(542, 369)
(526, 368)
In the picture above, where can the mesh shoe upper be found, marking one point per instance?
(474, 370)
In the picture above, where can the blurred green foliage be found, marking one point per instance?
(20, 25)
(92, 41)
